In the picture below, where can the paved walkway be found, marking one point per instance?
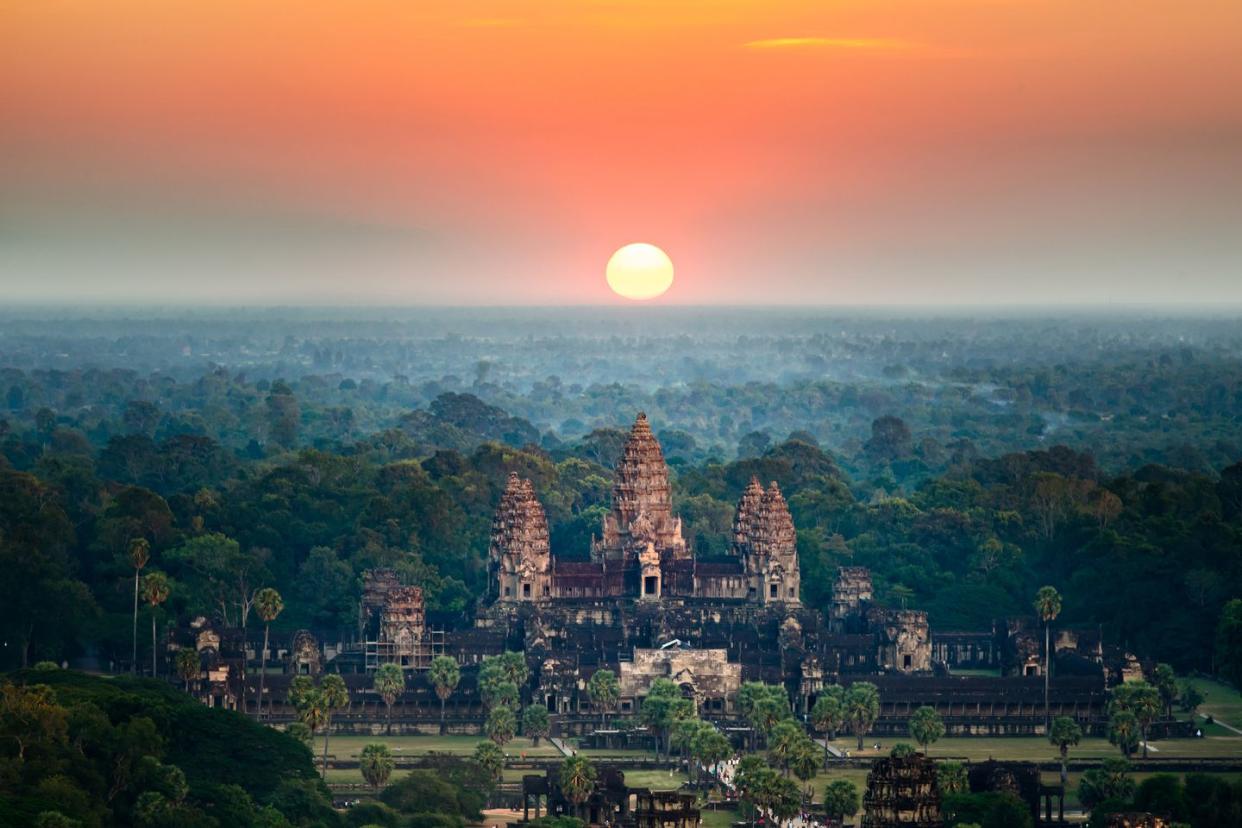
(560, 745)
(832, 749)
(1219, 722)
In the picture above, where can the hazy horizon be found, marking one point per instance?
(497, 153)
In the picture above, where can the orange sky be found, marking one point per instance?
(862, 151)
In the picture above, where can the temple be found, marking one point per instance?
(640, 552)
(639, 602)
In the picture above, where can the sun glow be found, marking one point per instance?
(639, 271)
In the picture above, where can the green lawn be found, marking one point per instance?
(345, 746)
(656, 780)
(1037, 749)
(718, 819)
(1223, 702)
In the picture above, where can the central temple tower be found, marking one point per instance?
(642, 509)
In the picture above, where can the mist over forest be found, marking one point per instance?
(1131, 388)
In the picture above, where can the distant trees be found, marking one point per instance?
(1229, 643)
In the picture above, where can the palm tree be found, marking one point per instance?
(389, 682)
(444, 675)
(187, 665)
(1064, 733)
(804, 762)
(711, 747)
(268, 604)
(577, 777)
(828, 714)
(501, 725)
(139, 555)
(535, 723)
(377, 764)
(1048, 606)
(840, 799)
(1123, 731)
(333, 695)
(604, 690)
(1142, 701)
(155, 589)
(491, 759)
(781, 743)
(862, 708)
(926, 726)
(313, 712)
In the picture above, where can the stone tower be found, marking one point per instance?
(520, 557)
(764, 537)
(745, 520)
(642, 508)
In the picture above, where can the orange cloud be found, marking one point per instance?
(869, 43)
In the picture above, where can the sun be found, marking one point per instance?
(639, 271)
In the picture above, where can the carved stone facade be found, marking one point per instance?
(304, 656)
(520, 558)
(641, 553)
(642, 506)
(764, 538)
(904, 639)
(902, 791)
(705, 675)
(851, 596)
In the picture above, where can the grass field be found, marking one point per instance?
(1223, 702)
(1036, 749)
(346, 746)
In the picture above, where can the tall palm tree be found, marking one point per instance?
(1048, 606)
(268, 604)
(139, 554)
(333, 695)
(155, 589)
(444, 675)
(389, 682)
